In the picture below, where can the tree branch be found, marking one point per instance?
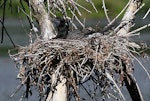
(127, 20)
(46, 26)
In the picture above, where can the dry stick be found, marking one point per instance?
(48, 6)
(31, 20)
(58, 7)
(112, 22)
(75, 70)
(139, 8)
(81, 6)
(83, 62)
(62, 4)
(77, 19)
(54, 15)
(72, 19)
(73, 25)
(105, 11)
(127, 20)
(148, 74)
(110, 78)
(19, 86)
(75, 7)
(146, 13)
(129, 87)
(64, 11)
(68, 49)
(40, 76)
(93, 6)
(139, 29)
(113, 96)
(95, 61)
(136, 34)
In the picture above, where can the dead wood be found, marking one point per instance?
(74, 59)
(104, 58)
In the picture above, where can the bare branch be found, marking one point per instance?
(46, 26)
(127, 20)
(146, 13)
(59, 66)
(105, 10)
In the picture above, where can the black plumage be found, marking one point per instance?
(62, 26)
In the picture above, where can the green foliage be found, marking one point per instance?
(14, 9)
(113, 9)
(113, 6)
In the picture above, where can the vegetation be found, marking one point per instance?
(57, 66)
(14, 10)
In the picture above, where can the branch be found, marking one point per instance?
(127, 20)
(46, 26)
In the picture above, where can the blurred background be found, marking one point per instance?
(18, 29)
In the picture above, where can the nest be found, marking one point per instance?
(103, 59)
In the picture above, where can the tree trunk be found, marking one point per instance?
(48, 32)
(60, 92)
(46, 26)
(123, 30)
(127, 20)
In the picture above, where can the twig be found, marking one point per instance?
(77, 19)
(109, 77)
(148, 74)
(105, 10)
(115, 19)
(95, 61)
(81, 6)
(93, 5)
(146, 13)
(139, 29)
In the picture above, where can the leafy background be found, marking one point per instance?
(114, 7)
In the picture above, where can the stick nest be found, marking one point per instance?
(99, 58)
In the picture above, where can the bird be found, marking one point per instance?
(62, 26)
(81, 34)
